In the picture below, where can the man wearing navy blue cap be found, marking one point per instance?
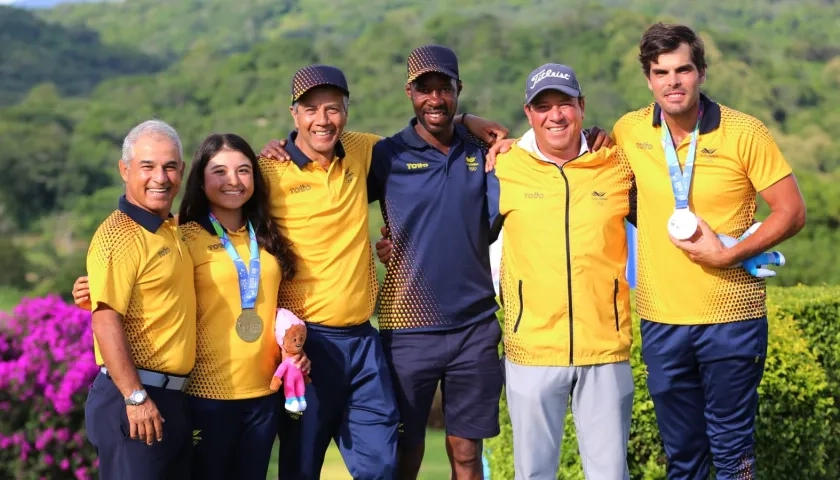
(438, 303)
(319, 199)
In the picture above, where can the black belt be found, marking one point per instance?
(157, 379)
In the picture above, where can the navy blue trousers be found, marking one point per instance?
(232, 439)
(350, 401)
(703, 380)
(121, 457)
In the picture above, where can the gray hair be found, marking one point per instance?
(149, 128)
(345, 98)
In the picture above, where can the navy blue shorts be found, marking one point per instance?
(233, 438)
(123, 458)
(465, 362)
(703, 380)
(350, 401)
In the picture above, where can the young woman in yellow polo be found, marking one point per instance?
(240, 259)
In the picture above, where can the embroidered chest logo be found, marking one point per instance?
(163, 252)
(472, 164)
(600, 198)
(534, 195)
(348, 176)
(416, 166)
(644, 146)
(301, 188)
(216, 246)
(708, 153)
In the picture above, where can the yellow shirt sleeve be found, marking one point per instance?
(362, 143)
(113, 262)
(763, 161)
(620, 129)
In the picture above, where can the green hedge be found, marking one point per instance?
(798, 427)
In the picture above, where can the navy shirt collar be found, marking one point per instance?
(299, 158)
(205, 223)
(144, 218)
(711, 115)
(413, 139)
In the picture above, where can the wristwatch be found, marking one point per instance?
(136, 398)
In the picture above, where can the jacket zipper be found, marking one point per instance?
(519, 317)
(615, 303)
(569, 267)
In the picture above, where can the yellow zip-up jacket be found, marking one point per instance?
(564, 255)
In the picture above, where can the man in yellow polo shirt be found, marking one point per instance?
(143, 303)
(699, 166)
(319, 199)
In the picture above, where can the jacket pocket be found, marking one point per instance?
(519, 317)
(615, 303)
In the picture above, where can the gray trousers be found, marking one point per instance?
(602, 404)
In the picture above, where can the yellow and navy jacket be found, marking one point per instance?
(324, 214)
(566, 299)
(434, 205)
(736, 158)
(139, 266)
(227, 367)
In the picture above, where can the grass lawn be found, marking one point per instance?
(435, 463)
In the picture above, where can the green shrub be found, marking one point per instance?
(13, 265)
(816, 311)
(797, 430)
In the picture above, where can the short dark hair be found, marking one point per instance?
(195, 206)
(662, 38)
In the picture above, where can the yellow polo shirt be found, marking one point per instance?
(227, 367)
(736, 158)
(324, 214)
(139, 266)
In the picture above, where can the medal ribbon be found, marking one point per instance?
(680, 180)
(249, 280)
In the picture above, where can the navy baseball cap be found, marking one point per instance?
(313, 76)
(432, 58)
(552, 76)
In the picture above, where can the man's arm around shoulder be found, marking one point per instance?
(493, 196)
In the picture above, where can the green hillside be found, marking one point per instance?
(33, 51)
(777, 60)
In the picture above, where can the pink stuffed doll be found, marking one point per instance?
(290, 332)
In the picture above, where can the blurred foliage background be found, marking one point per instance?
(75, 78)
